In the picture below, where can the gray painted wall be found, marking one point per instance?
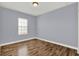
(0, 24)
(60, 25)
(9, 25)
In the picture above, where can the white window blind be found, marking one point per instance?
(22, 26)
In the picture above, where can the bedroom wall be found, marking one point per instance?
(59, 25)
(0, 24)
(9, 25)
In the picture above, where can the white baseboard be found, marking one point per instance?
(57, 43)
(39, 39)
(16, 41)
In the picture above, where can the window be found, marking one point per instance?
(22, 26)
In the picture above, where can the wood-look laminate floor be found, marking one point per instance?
(37, 47)
(41, 48)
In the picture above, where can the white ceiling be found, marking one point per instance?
(27, 7)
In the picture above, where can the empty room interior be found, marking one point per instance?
(39, 29)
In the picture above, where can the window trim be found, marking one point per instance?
(20, 31)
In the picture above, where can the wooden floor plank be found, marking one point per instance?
(37, 47)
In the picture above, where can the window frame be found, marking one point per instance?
(22, 26)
